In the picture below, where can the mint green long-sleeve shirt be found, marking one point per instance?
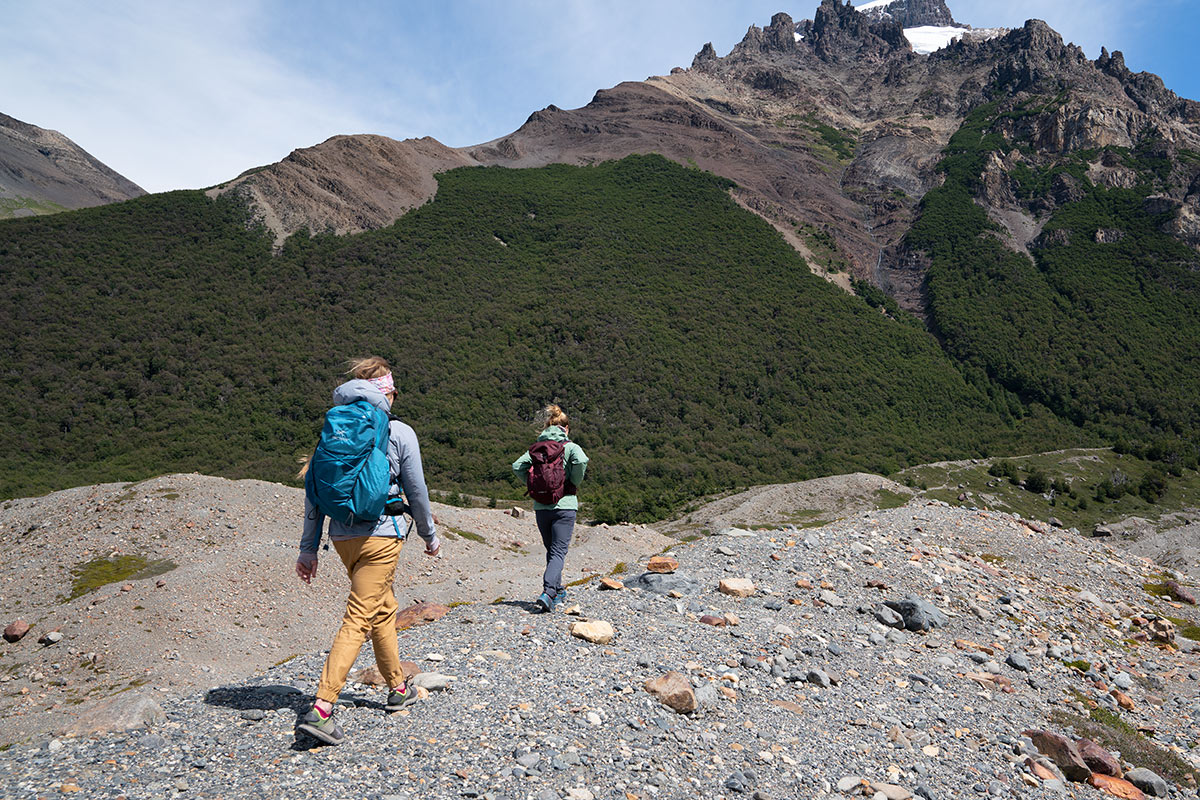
(574, 459)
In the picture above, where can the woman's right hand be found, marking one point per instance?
(306, 566)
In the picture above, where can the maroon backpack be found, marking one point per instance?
(547, 482)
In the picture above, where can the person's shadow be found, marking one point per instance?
(525, 605)
(276, 697)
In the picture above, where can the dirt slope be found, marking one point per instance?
(230, 604)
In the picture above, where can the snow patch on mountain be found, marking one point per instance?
(929, 38)
(874, 4)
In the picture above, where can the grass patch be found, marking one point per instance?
(1108, 729)
(1186, 628)
(991, 558)
(458, 603)
(802, 515)
(584, 579)
(468, 535)
(499, 600)
(619, 568)
(1082, 666)
(91, 575)
(11, 206)
(885, 498)
(285, 660)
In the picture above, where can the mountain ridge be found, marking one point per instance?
(42, 171)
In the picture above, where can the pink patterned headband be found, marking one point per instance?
(383, 383)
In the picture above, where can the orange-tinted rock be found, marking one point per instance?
(662, 564)
(420, 614)
(674, 691)
(1041, 770)
(1116, 787)
(716, 622)
(803, 584)
(612, 584)
(737, 587)
(596, 631)
(1123, 700)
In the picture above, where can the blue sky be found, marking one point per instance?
(186, 94)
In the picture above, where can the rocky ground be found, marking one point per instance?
(219, 598)
(1004, 635)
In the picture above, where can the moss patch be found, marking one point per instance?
(91, 575)
(1159, 590)
(885, 499)
(1186, 628)
(469, 535)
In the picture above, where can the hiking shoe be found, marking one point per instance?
(559, 601)
(321, 728)
(398, 699)
(544, 602)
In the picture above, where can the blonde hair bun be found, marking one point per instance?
(554, 415)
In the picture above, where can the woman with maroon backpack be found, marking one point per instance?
(552, 469)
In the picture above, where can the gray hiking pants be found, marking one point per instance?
(556, 526)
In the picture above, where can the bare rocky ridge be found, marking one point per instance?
(840, 130)
(42, 171)
(346, 184)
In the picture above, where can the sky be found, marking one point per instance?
(186, 94)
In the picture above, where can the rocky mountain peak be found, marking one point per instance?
(838, 31)
(911, 13)
(778, 37)
(707, 54)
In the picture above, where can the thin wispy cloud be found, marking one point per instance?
(184, 89)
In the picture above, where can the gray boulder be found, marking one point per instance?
(1148, 782)
(918, 614)
(123, 712)
(665, 583)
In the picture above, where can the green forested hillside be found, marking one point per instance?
(692, 346)
(1102, 329)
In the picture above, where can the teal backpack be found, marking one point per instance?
(348, 475)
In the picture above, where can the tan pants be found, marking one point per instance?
(370, 611)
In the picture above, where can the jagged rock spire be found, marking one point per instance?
(839, 31)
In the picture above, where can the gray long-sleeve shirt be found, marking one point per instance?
(404, 464)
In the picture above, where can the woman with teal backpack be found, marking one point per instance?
(369, 549)
(552, 469)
